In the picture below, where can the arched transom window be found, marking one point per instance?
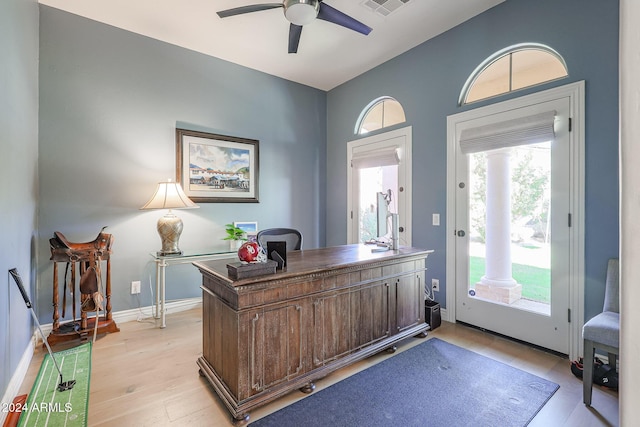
(513, 68)
(380, 113)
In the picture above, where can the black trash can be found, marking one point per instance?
(432, 313)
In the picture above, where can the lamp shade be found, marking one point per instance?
(169, 195)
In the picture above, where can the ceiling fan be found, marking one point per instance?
(299, 13)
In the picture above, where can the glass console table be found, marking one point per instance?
(162, 261)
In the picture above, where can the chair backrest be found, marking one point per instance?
(612, 287)
(290, 235)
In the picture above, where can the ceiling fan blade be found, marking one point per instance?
(328, 13)
(294, 37)
(248, 9)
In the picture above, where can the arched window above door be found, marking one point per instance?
(380, 113)
(513, 68)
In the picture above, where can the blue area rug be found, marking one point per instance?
(431, 384)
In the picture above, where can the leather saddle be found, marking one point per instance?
(62, 250)
(89, 253)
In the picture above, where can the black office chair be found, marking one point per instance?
(291, 236)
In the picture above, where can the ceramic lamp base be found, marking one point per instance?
(170, 229)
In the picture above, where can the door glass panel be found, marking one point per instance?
(373, 119)
(494, 80)
(393, 113)
(532, 66)
(372, 181)
(382, 114)
(509, 212)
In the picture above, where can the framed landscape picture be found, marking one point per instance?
(217, 168)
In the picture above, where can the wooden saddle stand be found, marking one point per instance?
(88, 257)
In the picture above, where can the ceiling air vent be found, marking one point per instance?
(384, 7)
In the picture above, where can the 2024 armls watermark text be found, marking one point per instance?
(36, 407)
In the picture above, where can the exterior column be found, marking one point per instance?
(498, 284)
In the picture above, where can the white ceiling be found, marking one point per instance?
(328, 54)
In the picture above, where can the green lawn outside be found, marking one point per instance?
(536, 282)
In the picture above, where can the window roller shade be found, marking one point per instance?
(510, 133)
(371, 159)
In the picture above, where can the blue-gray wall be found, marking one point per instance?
(18, 176)
(110, 101)
(427, 81)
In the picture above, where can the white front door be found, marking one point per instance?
(513, 230)
(379, 163)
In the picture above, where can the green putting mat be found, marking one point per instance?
(46, 406)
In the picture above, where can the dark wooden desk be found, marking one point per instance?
(265, 336)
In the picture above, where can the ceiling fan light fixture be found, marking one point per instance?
(301, 12)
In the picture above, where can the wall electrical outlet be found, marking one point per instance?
(435, 285)
(135, 287)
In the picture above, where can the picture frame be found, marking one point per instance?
(249, 227)
(215, 168)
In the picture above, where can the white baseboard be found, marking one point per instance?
(120, 317)
(18, 376)
(148, 311)
(143, 312)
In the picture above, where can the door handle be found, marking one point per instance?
(461, 233)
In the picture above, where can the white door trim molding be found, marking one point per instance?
(575, 93)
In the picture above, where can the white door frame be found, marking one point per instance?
(376, 142)
(575, 92)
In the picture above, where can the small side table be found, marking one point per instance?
(162, 261)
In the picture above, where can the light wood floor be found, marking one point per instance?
(146, 376)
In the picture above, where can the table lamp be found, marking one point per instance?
(169, 195)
